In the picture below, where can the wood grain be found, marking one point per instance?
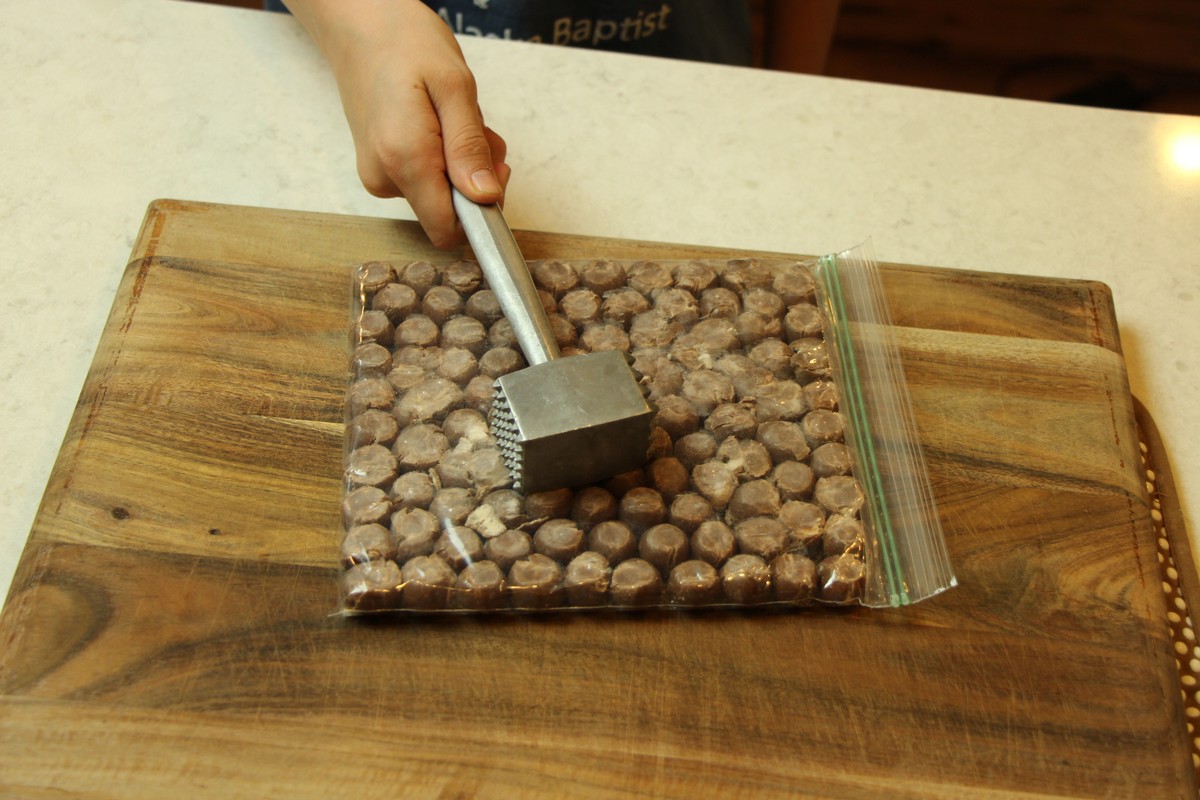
(170, 628)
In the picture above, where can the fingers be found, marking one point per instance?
(467, 145)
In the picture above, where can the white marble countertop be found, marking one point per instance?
(109, 104)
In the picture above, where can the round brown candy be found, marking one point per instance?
(695, 276)
(802, 321)
(369, 542)
(484, 306)
(593, 505)
(622, 306)
(417, 330)
(831, 459)
(747, 458)
(715, 481)
(706, 389)
(459, 546)
(810, 359)
(676, 416)
(372, 426)
(425, 358)
(560, 539)
(805, 523)
(501, 334)
(464, 276)
(763, 301)
(694, 583)
(452, 469)
(374, 275)
(843, 535)
(479, 393)
(719, 302)
(580, 306)
(452, 505)
(642, 508)
(765, 537)
(753, 327)
(841, 578)
(653, 329)
(586, 579)
(780, 400)
(374, 326)
(793, 479)
(821, 394)
(714, 542)
(371, 392)
(458, 364)
(465, 332)
(551, 504)
(556, 277)
(371, 465)
(480, 587)
(414, 531)
(839, 494)
(413, 490)
(396, 300)
(613, 540)
(648, 276)
(420, 275)
(679, 305)
(663, 376)
(732, 419)
(688, 511)
(793, 283)
(746, 579)
(405, 376)
(508, 548)
(821, 426)
(773, 355)
(509, 506)
(695, 447)
(429, 401)
(668, 476)
(427, 582)
(793, 578)
(756, 498)
(635, 582)
(371, 358)
(371, 586)
(600, 336)
(420, 447)
(742, 274)
(603, 276)
(535, 582)
(498, 361)
(365, 505)
(465, 424)
(664, 546)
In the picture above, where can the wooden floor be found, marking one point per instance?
(1131, 54)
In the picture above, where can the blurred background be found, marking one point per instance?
(1141, 55)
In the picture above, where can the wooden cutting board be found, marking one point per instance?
(170, 630)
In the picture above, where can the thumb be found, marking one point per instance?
(468, 153)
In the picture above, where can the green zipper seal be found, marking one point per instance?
(864, 445)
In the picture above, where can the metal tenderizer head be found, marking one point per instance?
(571, 421)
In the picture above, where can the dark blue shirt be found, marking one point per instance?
(700, 30)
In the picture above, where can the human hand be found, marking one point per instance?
(411, 103)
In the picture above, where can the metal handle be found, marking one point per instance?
(508, 276)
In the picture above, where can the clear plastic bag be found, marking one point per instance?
(784, 467)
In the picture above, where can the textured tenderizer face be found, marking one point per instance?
(571, 421)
